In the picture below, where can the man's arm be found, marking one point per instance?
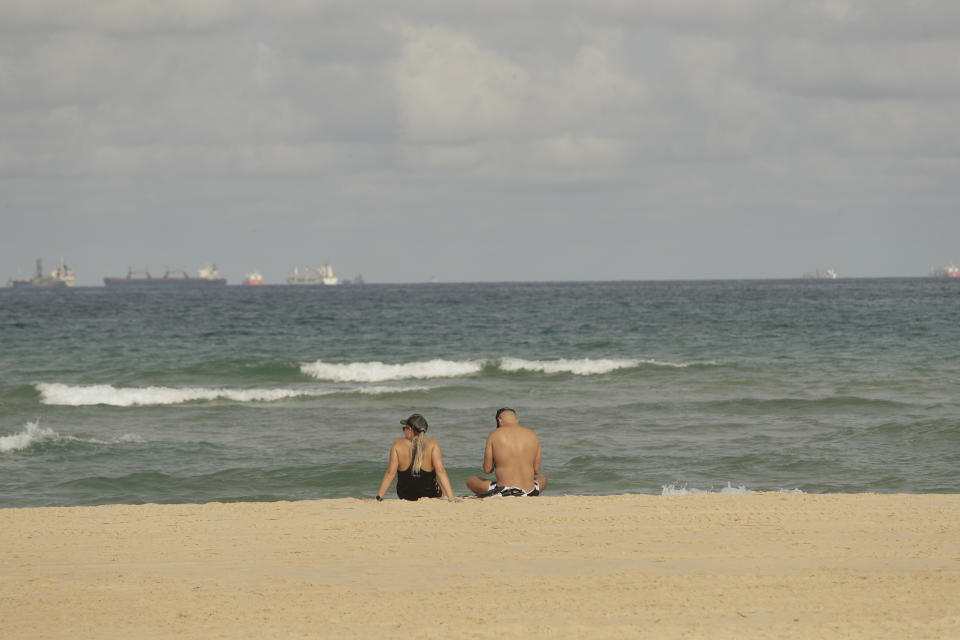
(538, 459)
(488, 455)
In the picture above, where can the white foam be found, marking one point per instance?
(84, 395)
(681, 365)
(582, 367)
(586, 366)
(381, 390)
(381, 372)
(673, 490)
(35, 434)
(32, 434)
(375, 371)
(741, 490)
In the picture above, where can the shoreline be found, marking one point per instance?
(710, 565)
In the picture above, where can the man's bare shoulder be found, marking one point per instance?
(513, 432)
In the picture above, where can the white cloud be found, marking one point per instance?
(464, 106)
(450, 89)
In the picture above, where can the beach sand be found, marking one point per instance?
(767, 565)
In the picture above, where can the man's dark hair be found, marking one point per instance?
(499, 411)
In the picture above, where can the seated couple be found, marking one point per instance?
(512, 451)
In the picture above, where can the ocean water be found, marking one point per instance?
(288, 393)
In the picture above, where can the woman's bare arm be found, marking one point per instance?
(391, 472)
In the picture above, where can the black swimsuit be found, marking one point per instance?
(411, 487)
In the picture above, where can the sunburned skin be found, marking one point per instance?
(512, 452)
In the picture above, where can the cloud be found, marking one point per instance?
(857, 71)
(451, 90)
(423, 117)
(139, 17)
(462, 105)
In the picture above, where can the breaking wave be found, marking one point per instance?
(70, 395)
(380, 372)
(586, 366)
(34, 434)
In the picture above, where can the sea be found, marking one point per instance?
(275, 392)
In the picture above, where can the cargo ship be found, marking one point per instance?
(206, 277)
(62, 276)
(320, 276)
(253, 279)
(949, 271)
(817, 274)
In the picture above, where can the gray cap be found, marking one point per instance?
(416, 422)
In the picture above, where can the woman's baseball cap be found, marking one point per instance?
(416, 422)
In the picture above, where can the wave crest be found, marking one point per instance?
(33, 434)
(77, 396)
(587, 366)
(581, 367)
(381, 372)
(376, 371)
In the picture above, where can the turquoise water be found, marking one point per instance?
(275, 392)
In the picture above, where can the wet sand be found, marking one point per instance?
(701, 566)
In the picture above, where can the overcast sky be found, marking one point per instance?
(481, 141)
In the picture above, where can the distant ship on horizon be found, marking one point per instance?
(207, 276)
(62, 276)
(253, 279)
(320, 276)
(949, 271)
(827, 274)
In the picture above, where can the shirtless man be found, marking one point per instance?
(514, 452)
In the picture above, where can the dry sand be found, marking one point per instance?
(701, 566)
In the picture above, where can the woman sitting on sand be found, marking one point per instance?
(418, 462)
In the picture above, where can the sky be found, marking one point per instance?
(481, 141)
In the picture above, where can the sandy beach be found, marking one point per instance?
(701, 566)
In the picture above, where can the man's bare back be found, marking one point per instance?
(513, 452)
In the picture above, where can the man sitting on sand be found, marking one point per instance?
(514, 452)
